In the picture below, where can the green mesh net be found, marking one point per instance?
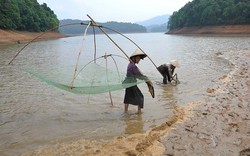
(92, 79)
(88, 78)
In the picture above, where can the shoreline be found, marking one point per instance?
(218, 125)
(221, 125)
(17, 37)
(227, 29)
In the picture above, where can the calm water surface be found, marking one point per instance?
(34, 114)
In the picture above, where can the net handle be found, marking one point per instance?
(78, 58)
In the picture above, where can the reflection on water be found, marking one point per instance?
(134, 123)
(33, 114)
(168, 91)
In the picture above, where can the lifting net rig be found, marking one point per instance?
(91, 78)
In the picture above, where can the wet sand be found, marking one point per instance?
(221, 125)
(218, 125)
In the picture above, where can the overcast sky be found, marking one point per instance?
(113, 10)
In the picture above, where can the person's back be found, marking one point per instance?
(167, 70)
(163, 69)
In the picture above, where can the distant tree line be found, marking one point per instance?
(126, 27)
(118, 26)
(26, 15)
(211, 12)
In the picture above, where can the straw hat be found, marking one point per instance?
(175, 63)
(138, 52)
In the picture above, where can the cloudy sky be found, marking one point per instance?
(113, 10)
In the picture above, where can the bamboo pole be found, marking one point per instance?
(95, 24)
(132, 42)
(40, 36)
(94, 44)
(100, 27)
(106, 61)
(78, 58)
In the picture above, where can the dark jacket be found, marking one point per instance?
(166, 70)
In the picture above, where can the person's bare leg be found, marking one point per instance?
(139, 110)
(126, 107)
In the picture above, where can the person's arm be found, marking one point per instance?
(172, 71)
(138, 74)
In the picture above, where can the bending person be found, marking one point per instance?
(167, 70)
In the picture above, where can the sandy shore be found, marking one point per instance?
(218, 125)
(221, 124)
(14, 37)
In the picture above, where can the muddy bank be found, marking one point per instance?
(218, 125)
(232, 29)
(13, 37)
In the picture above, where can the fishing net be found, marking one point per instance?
(91, 77)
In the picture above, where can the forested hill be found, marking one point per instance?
(26, 15)
(118, 26)
(29, 15)
(211, 13)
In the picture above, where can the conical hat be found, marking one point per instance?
(138, 52)
(175, 63)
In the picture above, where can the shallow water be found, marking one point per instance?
(34, 114)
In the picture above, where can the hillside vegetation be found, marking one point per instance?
(29, 15)
(211, 13)
(26, 15)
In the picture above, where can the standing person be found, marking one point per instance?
(167, 70)
(133, 94)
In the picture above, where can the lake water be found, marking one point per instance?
(34, 114)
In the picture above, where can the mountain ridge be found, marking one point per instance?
(156, 24)
(157, 20)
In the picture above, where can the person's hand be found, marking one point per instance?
(149, 83)
(172, 79)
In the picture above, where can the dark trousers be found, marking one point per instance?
(166, 78)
